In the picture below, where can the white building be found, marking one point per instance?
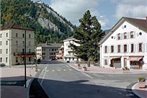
(12, 45)
(47, 52)
(68, 52)
(125, 44)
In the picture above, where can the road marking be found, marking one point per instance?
(53, 70)
(43, 75)
(70, 69)
(87, 75)
(64, 69)
(58, 70)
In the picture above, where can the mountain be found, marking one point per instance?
(48, 24)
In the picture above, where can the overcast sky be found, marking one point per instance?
(108, 12)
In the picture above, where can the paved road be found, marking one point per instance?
(60, 81)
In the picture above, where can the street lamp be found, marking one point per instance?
(25, 78)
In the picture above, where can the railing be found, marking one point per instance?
(27, 53)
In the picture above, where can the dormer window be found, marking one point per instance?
(131, 34)
(125, 35)
(118, 36)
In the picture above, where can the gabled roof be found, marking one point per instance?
(14, 26)
(140, 23)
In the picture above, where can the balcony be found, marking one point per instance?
(22, 54)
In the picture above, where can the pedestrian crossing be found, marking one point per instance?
(58, 70)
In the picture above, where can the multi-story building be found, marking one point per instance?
(125, 44)
(69, 56)
(60, 53)
(12, 44)
(47, 52)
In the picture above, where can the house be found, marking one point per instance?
(69, 56)
(125, 44)
(13, 39)
(47, 51)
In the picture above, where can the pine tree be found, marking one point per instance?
(88, 34)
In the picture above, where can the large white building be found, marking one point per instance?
(68, 52)
(12, 45)
(47, 52)
(125, 44)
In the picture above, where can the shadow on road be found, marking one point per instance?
(82, 89)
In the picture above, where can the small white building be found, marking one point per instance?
(125, 44)
(12, 45)
(47, 52)
(68, 52)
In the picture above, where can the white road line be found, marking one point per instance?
(43, 75)
(70, 69)
(53, 70)
(64, 69)
(87, 75)
(58, 70)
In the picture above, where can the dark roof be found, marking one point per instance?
(140, 23)
(50, 45)
(14, 26)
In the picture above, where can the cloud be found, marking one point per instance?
(131, 8)
(74, 9)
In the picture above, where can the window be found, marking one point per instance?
(0, 43)
(0, 51)
(105, 62)
(16, 43)
(29, 35)
(125, 48)
(112, 49)
(118, 48)
(29, 43)
(6, 42)
(29, 59)
(6, 59)
(125, 35)
(0, 35)
(132, 47)
(16, 34)
(140, 47)
(23, 50)
(106, 49)
(23, 35)
(1, 59)
(118, 36)
(6, 34)
(131, 34)
(6, 51)
(29, 50)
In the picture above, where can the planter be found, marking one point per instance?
(85, 68)
(141, 84)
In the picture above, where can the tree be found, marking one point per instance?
(88, 34)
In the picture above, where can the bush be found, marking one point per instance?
(141, 79)
(2, 65)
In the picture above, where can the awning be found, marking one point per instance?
(135, 58)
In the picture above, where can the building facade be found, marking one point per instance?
(69, 56)
(60, 53)
(125, 44)
(47, 52)
(12, 45)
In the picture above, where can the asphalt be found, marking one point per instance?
(58, 80)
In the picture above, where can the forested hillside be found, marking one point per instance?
(48, 25)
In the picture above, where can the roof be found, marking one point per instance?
(140, 23)
(14, 26)
(50, 45)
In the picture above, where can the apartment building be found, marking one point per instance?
(125, 44)
(60, 53)
(69, 56)
(12, 44)
(47, 51)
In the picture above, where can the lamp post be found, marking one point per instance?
(25, 78)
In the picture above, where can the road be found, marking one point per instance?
(59, 80)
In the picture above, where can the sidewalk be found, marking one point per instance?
(14, 74)
(141, 92)
(97, 69)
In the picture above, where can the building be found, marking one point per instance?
(47, 52)
(125, 44)
(60, 53)
(12, 45)
(69, 56)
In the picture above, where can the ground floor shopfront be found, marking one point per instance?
(130, 62)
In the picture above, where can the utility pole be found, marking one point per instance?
(25, 78)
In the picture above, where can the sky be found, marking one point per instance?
(108, 12)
